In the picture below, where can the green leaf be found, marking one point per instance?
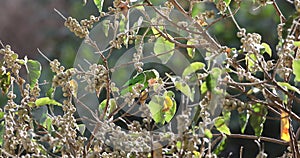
(81, 128)
(193, 67)
(268, 49)
(243, 119)
(212, 79)
(50, 93)
(46, 101)
(112, 105)
(258, 118)
(288, 86)
(203, 88)
(296, 69)
(221, 146)
(105, 27)
(155, 107)
(99, 4)
(2, 115)
(191, 51)
(165, 47)
(208, 134)
(169, 114)
(250, 61)
(179, 144)
(197, 9)
(227, 2)
(297, 43)
(102, 105)
(5, 82)
(155, 31)
(226, 115)
(33, 68)
(141, 78)
(48, 123)
(185, 89)
(221, 125)
(2, 127)
(73, 83)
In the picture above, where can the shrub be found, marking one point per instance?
(150, 81)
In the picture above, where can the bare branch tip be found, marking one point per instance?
(60, 14)
(44, 55)
(2, 44)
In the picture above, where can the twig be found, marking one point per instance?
(233, 19)
(251, 137)
(241, 152)
(44, 55)
(60, 14)
(2, 44)
(8, 154)
(282, 18)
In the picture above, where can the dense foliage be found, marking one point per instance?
(149, 80)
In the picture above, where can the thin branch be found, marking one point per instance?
(251, 137)
(233, 19)
(281, 16)
(2, 44)
(60, 14)
(44, 55)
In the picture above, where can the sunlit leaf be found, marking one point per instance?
(141, 78)
(112, 105)
(226, 115)
(221, 146)
(81, 128)
(48, 123)
(227, 2)
(2, 115)
(268, 49)
(296, 69)
(297, 43)
(243, 119)
(74, 85)
(250, 61)
(258, 118)
(179, 144)
(185, 89)
(285, 126)
(169, 106)
(164, 49)
(191, 51)
(208, 134)
(33, 68)
(212, 79)
(105, 27)
(5, 82)
(197, 154)
(289, 87)
(46, 101)
(203, 88)
(155, 107)
(2, 127)
(50, 93)
(197, 9)
(221, 125)
(193, 67)
(99, 4)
